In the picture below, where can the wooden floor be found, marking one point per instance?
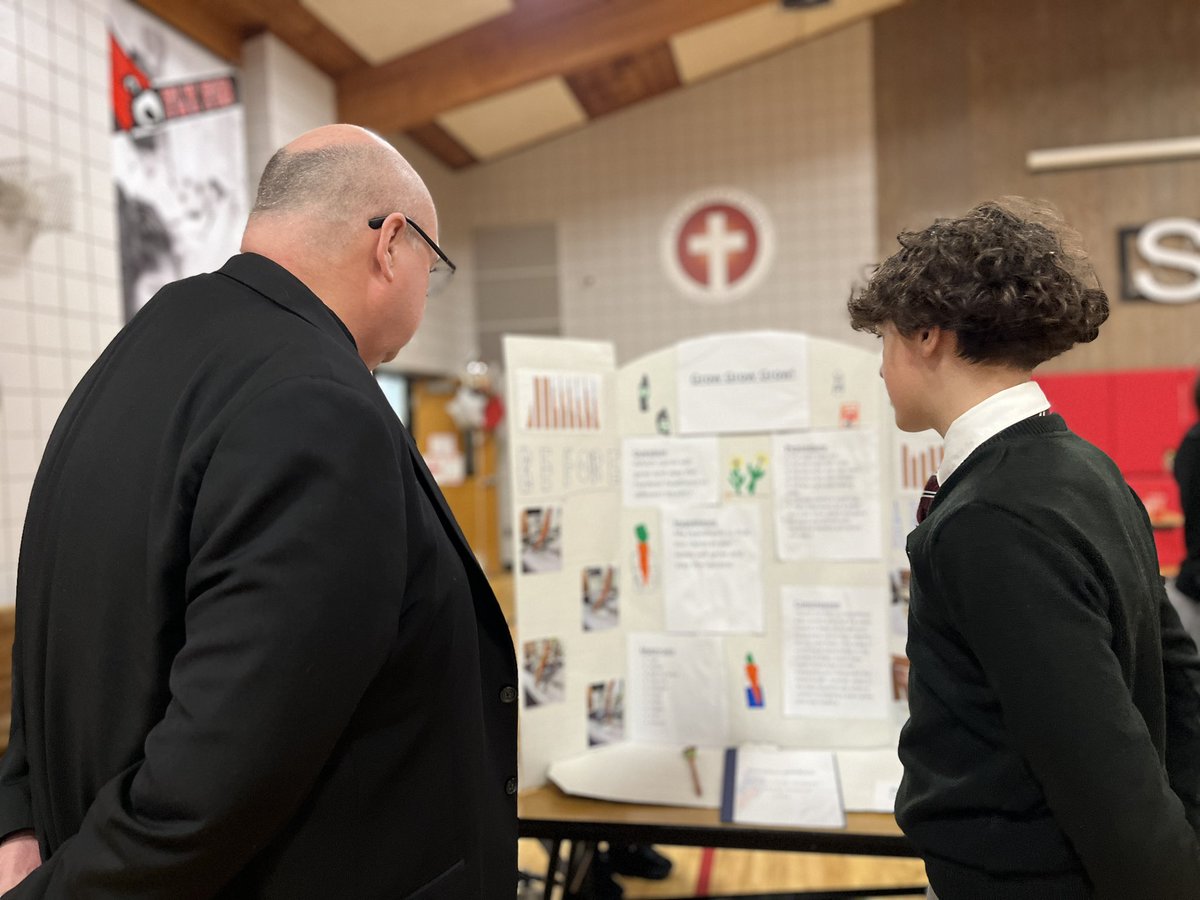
(741, 871)
(745, 871)
(754, 871)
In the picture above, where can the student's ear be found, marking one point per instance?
(932, 340)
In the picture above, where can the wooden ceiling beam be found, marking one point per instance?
(301, 30)
(540, 39)
(434, 138)
(203, 23)
(223, 25)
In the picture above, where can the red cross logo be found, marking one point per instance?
(717, 246)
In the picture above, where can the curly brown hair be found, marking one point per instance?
(1009, 279)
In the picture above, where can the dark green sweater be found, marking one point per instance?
(1054, 745)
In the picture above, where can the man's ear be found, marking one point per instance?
(386, 245)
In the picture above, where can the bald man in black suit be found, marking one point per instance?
(255, 656)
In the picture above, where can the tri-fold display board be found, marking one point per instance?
(711, 554)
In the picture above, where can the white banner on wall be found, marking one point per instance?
(178, 151)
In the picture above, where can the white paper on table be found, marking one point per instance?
(869, 778)
(643, 773)
(835, 652)
(827, 490)
(713, 566)
(787, 787)
(738, 383)
(670, 471)
(677, 690)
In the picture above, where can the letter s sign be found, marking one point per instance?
(1169, 245)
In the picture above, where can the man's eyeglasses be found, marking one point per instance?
(443, 270)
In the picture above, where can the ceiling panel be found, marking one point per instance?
(504, 122)
(384, 29)
(742, 37)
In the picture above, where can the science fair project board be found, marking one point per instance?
(711, 555)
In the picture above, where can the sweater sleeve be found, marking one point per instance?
(292, 608)
(1034, 614)
(1181, 679)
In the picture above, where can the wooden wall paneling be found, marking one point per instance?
(1034, 75)
(922, 109)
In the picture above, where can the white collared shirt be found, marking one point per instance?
(986, 420)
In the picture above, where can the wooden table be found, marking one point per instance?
(549, 814)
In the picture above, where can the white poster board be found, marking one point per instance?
(677, 589)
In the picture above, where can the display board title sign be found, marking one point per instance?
(739, 383)
(717, 245)
(1160, 261)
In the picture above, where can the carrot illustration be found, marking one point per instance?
(643, 546)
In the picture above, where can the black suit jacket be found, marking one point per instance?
(255, 656)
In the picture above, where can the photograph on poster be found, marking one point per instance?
(541, 539)
(600, 598)
(543, 678)
(898, 621)
(606, 712)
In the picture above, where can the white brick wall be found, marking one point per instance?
(59, 303)
(795, 130)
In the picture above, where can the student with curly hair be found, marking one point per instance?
(1053, 749)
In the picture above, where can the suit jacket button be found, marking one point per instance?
(508, 694)
(510, 786)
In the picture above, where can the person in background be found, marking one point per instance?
(1053, 749)
(254, 654)
(1187, 474)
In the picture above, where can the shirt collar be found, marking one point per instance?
(987, 419)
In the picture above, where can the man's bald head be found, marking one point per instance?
(314, 201)
(338, 176)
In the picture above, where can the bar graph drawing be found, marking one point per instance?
(917, 463)
(559, 401)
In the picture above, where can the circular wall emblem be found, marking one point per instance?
(717, 245)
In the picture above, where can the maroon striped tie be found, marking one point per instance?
(926, 501)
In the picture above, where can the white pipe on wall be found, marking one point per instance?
(1122, 153)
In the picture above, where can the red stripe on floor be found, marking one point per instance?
(706, 867)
